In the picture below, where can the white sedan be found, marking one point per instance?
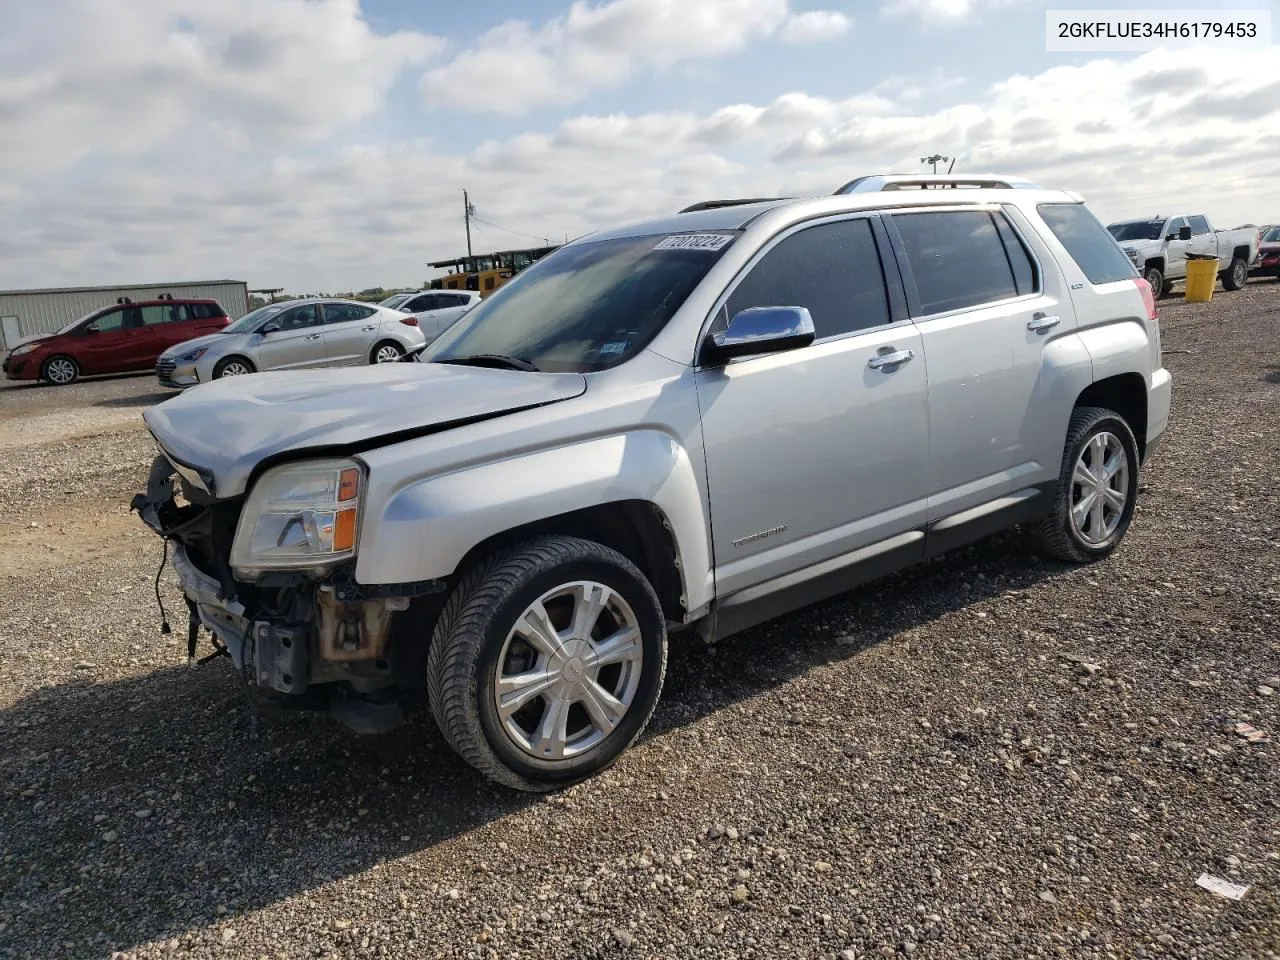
(438, 310)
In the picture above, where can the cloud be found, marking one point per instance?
(323, 219)
(814, 25)
(517, 65)
(190, 76)
(939, 12)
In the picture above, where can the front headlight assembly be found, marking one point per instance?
(300, 516)
(21, 349)
(192, 356)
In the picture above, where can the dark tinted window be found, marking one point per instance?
(205, 311)
(177, 313)
(1090, 246)
(832, 269)
(957, 259)
(1175, 228)
(1199, 225)
(1024, 270)
(346, 312)
(428, 301)
(453, 300)
(298, 317)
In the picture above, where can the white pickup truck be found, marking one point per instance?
(1158, 247)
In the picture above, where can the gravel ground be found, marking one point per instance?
(989, 756)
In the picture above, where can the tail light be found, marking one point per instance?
(1148, 298)
(410, 321)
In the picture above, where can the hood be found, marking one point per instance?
(186, 346)
(32, 340)
(224, 429)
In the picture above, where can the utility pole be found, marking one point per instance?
(936, 159)
(467, 212)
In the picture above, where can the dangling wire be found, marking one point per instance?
(164, 617)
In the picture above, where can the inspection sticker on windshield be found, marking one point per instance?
(619, 346)
(695, 241)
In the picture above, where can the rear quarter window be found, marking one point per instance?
(1093, 249)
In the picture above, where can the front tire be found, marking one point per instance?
(60, 370)
(232, 367)
(1155, 278)
(1097, 489)
(1236, 275)
(547, 662)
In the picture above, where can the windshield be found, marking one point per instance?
(250, 320)
(588, 306)
(1272, 235)
(1137, 230)
(77, 321)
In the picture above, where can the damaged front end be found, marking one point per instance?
(270, 575)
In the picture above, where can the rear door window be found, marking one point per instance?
(1093, 249)
(346, 312)
(958, 259)
(1199, 226)
(423, 303)
(154, 315)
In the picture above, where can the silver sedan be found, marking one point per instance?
(291, 335)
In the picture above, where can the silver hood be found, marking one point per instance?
(186, 346)
(223, 429)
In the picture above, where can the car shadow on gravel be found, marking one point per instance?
(138, 809)
(140, 400)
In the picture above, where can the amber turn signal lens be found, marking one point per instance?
(344, 530)
(348, 484)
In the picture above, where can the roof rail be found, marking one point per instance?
(880, 183)
(713, 204)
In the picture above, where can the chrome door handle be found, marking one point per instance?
(890, 359)
(1041, 322)
(368, 328)
(314, 336)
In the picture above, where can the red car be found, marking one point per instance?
(1269, 254)
(116, 339)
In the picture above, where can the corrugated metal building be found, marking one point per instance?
(25, 313)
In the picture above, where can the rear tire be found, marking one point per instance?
(232, 367)
(60, 370)
(386, 351)
(1236, 275)
(1097, 489)
(512, 674)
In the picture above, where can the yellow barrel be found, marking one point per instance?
(1202, 275)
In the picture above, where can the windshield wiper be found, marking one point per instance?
(493, 360)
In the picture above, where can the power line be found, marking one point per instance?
(518, 233)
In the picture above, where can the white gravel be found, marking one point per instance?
(987, 757)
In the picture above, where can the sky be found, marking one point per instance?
(324, 145)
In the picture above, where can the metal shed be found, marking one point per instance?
(25, 313)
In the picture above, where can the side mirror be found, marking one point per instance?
(759, 330)
(269, 328)
(91, 328)
(1184, 233)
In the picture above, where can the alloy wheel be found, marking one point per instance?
(568, 671)
(1099, 488)
(233, 369)
(387, 354)
(60, 371)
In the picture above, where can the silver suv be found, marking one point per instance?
(699, 422)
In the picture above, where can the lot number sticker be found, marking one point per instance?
(695, 241)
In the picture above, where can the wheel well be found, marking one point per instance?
(1157, 262)
(1126, 394)
(1242, 253)
(234, 356)
(635, 528)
